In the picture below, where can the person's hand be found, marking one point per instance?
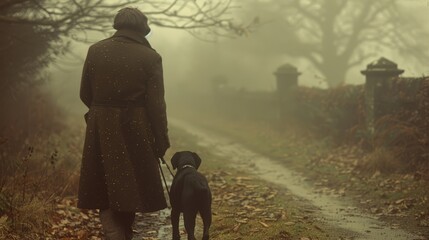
(160, 152)
(161, 147)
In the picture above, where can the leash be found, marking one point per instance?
(162, 173)
(168, 167)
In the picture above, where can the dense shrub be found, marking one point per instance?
(331, 112)
(405, 127)
(402, 126)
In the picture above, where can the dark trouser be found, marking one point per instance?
(117, 225)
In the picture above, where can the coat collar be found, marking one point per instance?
(132, 35)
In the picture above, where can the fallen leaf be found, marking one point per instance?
(264, 224)
(236, 227)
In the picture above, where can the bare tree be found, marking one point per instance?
(66, 16)
(336, 35)
(32, 31)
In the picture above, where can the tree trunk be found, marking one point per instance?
(335, 76)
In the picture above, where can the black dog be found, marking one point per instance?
(190, 194)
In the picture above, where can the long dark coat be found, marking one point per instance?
(122, 84)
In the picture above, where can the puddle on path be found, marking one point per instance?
(335, 212)
(153, 225)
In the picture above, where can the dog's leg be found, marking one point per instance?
(175, 216)
(207, 221)
(189, 216)
(206, 215)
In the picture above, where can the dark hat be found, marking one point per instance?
(131, 18)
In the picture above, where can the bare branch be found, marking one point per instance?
(343, 33)
(9, 3)
(64, 16)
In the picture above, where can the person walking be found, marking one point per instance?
(126, 133)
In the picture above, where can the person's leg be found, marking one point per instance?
(111, 227)
(127, 220)
(117, 225)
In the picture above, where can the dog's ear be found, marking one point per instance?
(175, 160)
(197, 160)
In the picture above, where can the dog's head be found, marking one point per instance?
(183, 158)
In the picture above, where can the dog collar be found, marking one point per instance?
(187, 166)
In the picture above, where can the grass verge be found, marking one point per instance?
(37, 177)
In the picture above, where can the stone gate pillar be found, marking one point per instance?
(287, 82)
(378, 75)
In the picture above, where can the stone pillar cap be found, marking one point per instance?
(287, 69)
(382, 65)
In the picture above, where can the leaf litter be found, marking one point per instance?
(69, 222)
(400, 198)
(252, 204)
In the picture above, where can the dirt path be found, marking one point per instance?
(333, 211)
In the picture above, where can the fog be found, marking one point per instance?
(246, 62)
(297, 140)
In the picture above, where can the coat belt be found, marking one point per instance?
(118, 104)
